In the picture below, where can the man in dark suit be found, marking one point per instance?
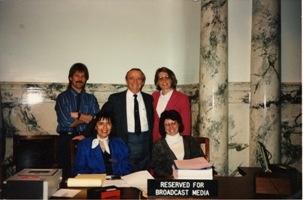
(132, 112)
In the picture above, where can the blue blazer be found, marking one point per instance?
(91, 161)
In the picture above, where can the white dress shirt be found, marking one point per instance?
(130, 112)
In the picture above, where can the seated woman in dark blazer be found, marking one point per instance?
(102, 153)
(172, 145)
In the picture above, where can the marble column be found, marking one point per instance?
(265, 79)
(213, 81)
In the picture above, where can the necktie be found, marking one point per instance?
(137, 115)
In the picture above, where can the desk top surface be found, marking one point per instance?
(236, 187)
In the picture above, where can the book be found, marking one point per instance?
(196, 168)
(194, 163)
(86, 180)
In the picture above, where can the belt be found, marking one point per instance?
(138, 133)
(68, 133)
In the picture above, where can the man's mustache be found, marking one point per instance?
(79, 82)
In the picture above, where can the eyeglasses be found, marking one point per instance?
(163, 78)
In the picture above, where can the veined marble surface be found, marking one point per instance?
(22, 104)
(28, 109)
(213, 81)
(291, 125)
(265, 118)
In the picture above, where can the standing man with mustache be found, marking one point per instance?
(75, 109)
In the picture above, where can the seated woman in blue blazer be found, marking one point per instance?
(102, 153)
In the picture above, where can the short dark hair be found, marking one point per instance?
(100, 115)
(136, 69)
(77, 67)
(173, 115)
(171, 75)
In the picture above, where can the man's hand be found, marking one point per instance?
(81, 118)
(78, 138)
(74, 115)
(76, 123)
(85, 118)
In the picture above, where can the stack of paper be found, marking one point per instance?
(86, 180)
(196, 168)
(138, 179)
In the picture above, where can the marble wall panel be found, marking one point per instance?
(291, 125)
(29, 109)
(238, 136)
(238, 126)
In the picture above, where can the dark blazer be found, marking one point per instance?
(163, 157)
(116, 105)
(90, 160)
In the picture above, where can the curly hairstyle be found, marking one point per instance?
(172, 115)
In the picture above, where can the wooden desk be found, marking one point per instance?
(241, 187)
(126, 193)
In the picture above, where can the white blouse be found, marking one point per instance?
(97, 141)
(176, 144)
(162, 102)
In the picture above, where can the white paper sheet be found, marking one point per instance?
(66, 193)
(117, 183)
(138, 180)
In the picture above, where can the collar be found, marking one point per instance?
(74, 92)
(97, 140)
(172, 139)
(167, 94)
(130, 94)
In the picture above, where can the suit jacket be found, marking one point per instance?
(163, 157)
(116, 105)
(90, 160)
(179, 102)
